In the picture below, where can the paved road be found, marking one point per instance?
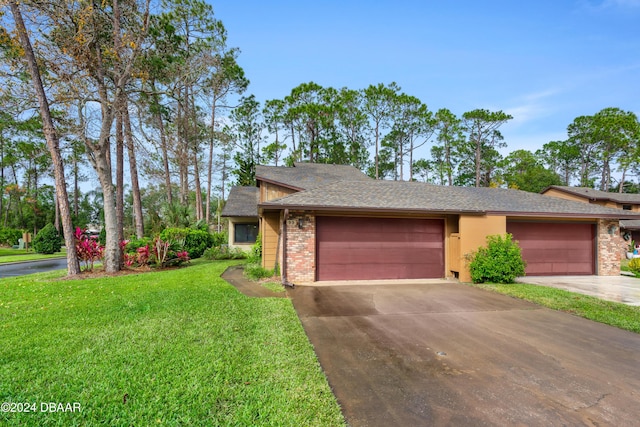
(30, 267)
(449, 354)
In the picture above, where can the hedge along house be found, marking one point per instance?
(326, 222)
(241, 210)
(624, 201)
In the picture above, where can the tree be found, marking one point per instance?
(617, 133)
(247, 132)
(378, 105)
(482, 129)
(561, 157)
(521, 169)
(226, 78)
(584, 142)
(73, 266)
(96, 48)
(449, 140)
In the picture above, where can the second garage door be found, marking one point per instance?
(379, 248)
(555, 248)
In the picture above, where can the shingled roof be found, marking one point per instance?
(592, 194)
(242, 201)
(305, 176)
(372, 195)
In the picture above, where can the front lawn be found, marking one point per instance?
(16, 255)
(611, 313)
(179, 347)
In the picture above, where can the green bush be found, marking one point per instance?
(219, 239)
(257, 272)
(223, 252)
(255, 254)
(634, 266)
(193, 241)
(135, 243)
(499, 262)
(9, 236)
(47, 241)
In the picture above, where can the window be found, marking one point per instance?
(626, 207)
(245, 233)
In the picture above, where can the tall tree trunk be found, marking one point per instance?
(198, 187)
(76, 189)
(163, 145)
(133, 168)
(56, 221)
(112, 246)
(120, 169)
(207, 215)
(73, 267)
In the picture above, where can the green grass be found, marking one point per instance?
(273, 286)
(178, 348)
(16, 255)
(611, 313)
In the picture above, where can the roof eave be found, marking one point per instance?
(328, 208)
(563, 215)
(281, 184)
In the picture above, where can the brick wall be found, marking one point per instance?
(301, 247)
(610, 247)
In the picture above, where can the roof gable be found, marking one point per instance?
(305, 176)
(242, 202)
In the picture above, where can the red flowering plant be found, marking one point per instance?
(143, 255)
(182, 256)
(88, 249)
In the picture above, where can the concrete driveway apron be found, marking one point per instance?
(449, 354)
(622, 289)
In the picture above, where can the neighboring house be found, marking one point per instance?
(241, 210)
(327, 222)
(625, 201)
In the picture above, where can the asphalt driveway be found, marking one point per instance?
(449, 354)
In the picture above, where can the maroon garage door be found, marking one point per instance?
(379, 248)
(555, 248)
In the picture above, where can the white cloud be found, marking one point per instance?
(532, 106)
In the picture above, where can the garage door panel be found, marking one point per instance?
(433, 256)
(379, 248)
(556, 248)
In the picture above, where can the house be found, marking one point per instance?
(624, 201)
(328, 222)
(242, 211)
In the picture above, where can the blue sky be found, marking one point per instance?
(544, 62)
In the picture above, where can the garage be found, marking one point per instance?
(556, 248)
(354, 248)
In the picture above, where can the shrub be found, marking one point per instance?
(190, 240)
(196, 242)
(134, 244)
(255, 254)
(9, 236)
(634, 266)
(220, 239)
(223, 252)
(47, 241)
(89, 249)
(499, 262)
(257, 272)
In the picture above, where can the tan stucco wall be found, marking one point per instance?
(270, 231)
(562, 195)
(239, 220)
(473, 234)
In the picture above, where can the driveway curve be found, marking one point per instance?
(449, 354)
